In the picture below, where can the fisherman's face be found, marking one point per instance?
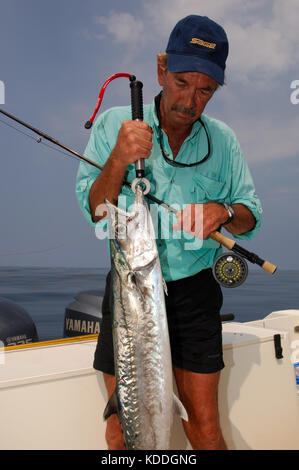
(184, 97)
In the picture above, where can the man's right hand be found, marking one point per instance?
(134, 141)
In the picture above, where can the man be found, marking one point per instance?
(196, 162)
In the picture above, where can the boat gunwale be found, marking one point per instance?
(51, 342)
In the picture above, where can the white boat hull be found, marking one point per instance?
(52, 398)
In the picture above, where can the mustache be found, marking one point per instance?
(181, 109)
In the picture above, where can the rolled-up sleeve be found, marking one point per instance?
(97, 150)
(243, 190)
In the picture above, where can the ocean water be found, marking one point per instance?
(45, 293)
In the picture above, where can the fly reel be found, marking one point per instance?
(230, 270)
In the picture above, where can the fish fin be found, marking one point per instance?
(179, 408)
(164, 286)
(111, 407)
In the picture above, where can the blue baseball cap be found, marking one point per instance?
(198, 44)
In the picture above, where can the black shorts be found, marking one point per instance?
(193, 311)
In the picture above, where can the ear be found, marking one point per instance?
(161, 71)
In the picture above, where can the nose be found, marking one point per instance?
(191, 98)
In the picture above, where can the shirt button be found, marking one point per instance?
(160, 243)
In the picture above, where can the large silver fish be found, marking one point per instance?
(143, 399)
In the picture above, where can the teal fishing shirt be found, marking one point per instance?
(223, 177)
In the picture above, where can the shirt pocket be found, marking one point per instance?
(208, 189)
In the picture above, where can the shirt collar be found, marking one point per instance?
(155, 116)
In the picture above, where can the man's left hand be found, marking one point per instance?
(201, 219)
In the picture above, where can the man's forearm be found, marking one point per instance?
(134, 141)
(107, 186)
(202, 219)
(243, 221)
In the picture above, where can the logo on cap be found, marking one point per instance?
(210, 45)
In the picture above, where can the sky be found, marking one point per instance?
(55, 55)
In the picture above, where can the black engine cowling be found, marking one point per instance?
(16, 325)
(83, 316)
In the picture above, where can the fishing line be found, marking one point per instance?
(137, 113)
(40, 141)
(18, 130)
(217, 236)
(44, 250)
(32, 252)
(57, 150)
(75, 157)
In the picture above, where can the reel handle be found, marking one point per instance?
(232, 245)
(269, 267)
(137, 114)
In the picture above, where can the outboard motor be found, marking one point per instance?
(83, 316)
(16, 325)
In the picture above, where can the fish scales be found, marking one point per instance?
(143, 367)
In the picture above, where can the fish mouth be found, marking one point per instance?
(116, 210)
(119, 220)
(138, 201)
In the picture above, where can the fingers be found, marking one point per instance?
(134, 141)
(190, 220)
(200, 219)
(139, 135)
(179, 224)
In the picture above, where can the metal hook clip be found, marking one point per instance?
(142, 181)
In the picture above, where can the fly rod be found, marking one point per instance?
(217, 236)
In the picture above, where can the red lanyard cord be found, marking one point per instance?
(89, 123)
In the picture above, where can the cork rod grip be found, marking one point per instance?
(231, 245)
(269, 267)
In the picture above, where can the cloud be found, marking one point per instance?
(262, 62)
(123, 26)
(266, 46)
(263, 35)
(263, 139)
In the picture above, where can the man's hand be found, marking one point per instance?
(201, 219)
(134, 141)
